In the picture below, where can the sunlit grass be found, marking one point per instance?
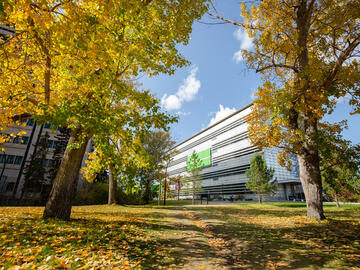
(278, 235)
(267, 236)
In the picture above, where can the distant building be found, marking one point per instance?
(18, 154)
(19, 151)
(225, 150)
(6, 30)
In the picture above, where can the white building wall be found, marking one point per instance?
(232, 151)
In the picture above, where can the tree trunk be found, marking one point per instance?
(337, 200)
(147, 189)
(165, 191)
(193, 192)
(311, 181)
(112, 185)
(178, 191)
(64, 186)
(259, 197)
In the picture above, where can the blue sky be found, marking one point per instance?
(217, 82)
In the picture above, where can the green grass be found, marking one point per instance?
(181, 236)
(279, 236)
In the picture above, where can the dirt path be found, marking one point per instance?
(222, 247)
(192, 242)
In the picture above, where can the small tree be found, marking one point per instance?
(339, 163)
(260, 177)
(191, 182)
(35, 171)
(158, 145)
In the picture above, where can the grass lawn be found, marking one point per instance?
(231, 236)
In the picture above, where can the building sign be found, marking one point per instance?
(204, 156)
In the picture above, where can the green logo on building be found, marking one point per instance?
(204, 156)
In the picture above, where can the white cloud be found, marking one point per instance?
(186, 92)
(180, 113)
(221, 114)
(344, 99)
(171, 102)
(252, 95)
(245, 44)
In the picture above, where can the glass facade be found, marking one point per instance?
(281, 173)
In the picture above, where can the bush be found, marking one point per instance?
(239, 198)
(134, 198)
(96, 193)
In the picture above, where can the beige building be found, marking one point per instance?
(20, 150)
(18, 154)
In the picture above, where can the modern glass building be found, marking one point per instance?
(225, 150)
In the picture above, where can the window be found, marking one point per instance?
(2, 158)
(17, 139)
(18, 160)
(47, 125)
(55, 144)
(25, 140)
(10, 159)
(47, 162)
(30, 122)
(216, 178)
(3, 183)
(10, 186)
(49, 144)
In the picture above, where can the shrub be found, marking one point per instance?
(96, 193)
(133, 198)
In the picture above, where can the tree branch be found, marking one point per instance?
(274, 65)
(234, 22)
(47, 72)
(342, 58)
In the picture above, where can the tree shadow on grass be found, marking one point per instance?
(315, 245)
(274, 212)
(82, 239)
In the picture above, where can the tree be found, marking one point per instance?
(192, 182)
(112, 184)
(260, 177)
(339, 163)
(35, 170)
(121, 161)
(306, 52)
(56, 68)
(158, 146)
(177, 180)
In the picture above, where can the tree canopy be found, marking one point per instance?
(307, 53)
(74, 63)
